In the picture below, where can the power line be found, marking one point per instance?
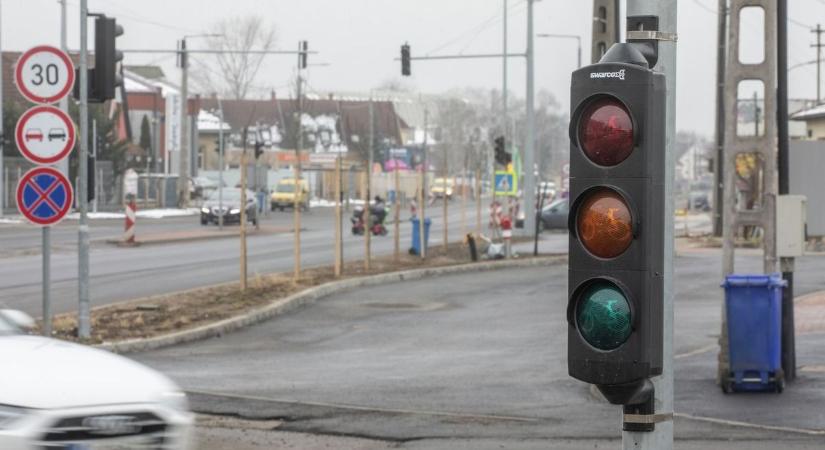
(477, 29)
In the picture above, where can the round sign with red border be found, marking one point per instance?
(45, 134)
(44, 196)
(44, 74)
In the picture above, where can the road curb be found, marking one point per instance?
(310, 295)
(183, 239)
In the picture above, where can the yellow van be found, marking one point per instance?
(283, 196)
(442, 187)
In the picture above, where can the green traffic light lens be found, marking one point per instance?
(603, 316)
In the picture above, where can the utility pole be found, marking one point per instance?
(786, 264)
(84, 310)
(530, 144)
(183, 167)
(718, 175)
(662, 437)
(818, 31)
(243, 211)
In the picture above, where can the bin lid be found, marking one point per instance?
(742, 280)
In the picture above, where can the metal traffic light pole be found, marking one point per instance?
(662, 437)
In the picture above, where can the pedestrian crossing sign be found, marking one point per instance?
(506, 183)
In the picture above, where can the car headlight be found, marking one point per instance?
(235, 211)
(205, 210)
(9, 415)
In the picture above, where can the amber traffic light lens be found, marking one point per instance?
(604, 223)
(606, 132)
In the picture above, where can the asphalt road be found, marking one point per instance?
(478, 361)
(119, 274)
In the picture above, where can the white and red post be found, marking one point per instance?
(131, 218)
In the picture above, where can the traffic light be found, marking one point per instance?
(106, 74)
(303, 48)
(259, 143)
(502, 157)
(616, 222)
(405, 60)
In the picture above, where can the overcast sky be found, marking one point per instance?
(359, 39)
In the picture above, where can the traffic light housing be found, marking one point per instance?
(616, 222)
(501, 156)
(405, 60)
(106, 74)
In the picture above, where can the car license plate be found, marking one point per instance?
(113, 444)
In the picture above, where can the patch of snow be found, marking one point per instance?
(146, 214)
(10, 220)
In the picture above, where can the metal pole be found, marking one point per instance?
(530, 144)
(423, 196)
(396, 232)
(719, 174)
(786, 264)
(818, 46)
(84, 319)
(478, 202)
(662, 437)
(299, 187)
(243, 212)
(47, 301)
(94, 157)
(367, 193)
(63, 165)
(220, 168)
(446, 184)
(2, 134)
(504, 123)
(339, 263)
(183, 168)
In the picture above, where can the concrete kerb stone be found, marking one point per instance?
(310, 295)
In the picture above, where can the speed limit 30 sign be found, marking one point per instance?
(44, 74)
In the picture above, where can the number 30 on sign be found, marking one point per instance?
(44, 74)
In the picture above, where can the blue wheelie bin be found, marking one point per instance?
(754, 308)
(416, 235)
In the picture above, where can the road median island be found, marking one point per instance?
(170, 319)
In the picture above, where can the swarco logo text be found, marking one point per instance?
(619, 75)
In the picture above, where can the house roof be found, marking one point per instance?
(817, 112)
(150, 72)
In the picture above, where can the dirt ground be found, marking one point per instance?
(163, 314)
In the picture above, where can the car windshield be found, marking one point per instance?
(287, 188)
(229, 195)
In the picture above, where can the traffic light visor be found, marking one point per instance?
(604, 223)
(606, 131)
(603, 315)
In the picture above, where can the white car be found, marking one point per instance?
(59, 395)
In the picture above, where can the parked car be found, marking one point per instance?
(229, 207)
(284, 194)
(554, 215)
(61, 395)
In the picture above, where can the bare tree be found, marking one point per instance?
(236, 71)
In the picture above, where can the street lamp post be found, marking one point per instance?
(183, 176)
(567, 36)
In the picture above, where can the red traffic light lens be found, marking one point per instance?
(606, 132)
(604, 223)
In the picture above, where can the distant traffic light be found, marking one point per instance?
(259, 143)
(501, 156)
(303, 49)
(405, 60)
(617, 217)
(106, 74)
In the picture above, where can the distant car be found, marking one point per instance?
(60, 395)
(442, 187)
(57, 133)
(228, 205)
(284, 195)
(548, 190)
(34, 134)
(554, 215)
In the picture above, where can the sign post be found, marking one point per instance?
(45, 136)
